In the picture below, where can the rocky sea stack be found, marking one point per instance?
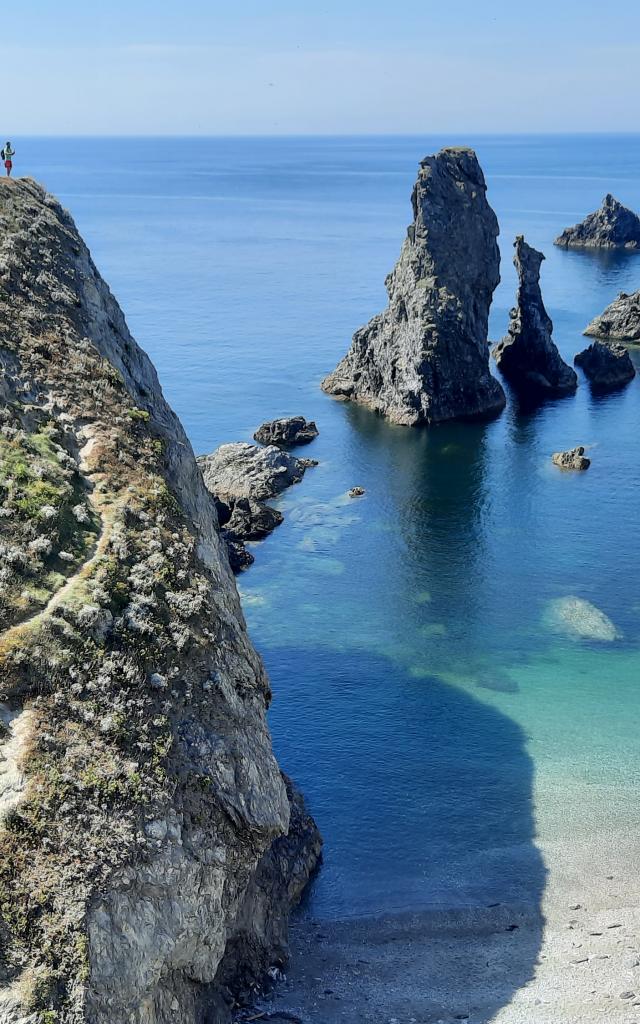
(620, 321)
(528, 357)
(150, 847)
(606, 366)
(425, 359)
(613, 226)
(288, 432)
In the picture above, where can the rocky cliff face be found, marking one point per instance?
(528, 356)
(613, 226)
(620, 321)
(425, 358)
(139, 796)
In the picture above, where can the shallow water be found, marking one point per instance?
(441, 729)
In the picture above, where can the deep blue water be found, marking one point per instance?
(448, 738)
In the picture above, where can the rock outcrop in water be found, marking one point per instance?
(620, 321)
(606, 366)
(528, 357)
(287, 432)
(425, 358)
(149, 849)
(573, 458)
(613, 226)
(240, 476)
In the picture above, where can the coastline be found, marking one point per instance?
(576, 959)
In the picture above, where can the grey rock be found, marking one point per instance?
(574, 458)
(528, 357)
(607, 366)
(425, 359)
(241, 470)
(243, 519)
(287, 432)
(356, 492)
(620, 320)
(613, 226)
(152, 831)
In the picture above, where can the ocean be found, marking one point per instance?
(449, 737)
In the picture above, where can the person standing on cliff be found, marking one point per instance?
(7, 154)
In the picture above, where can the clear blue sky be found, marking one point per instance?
(279, 66)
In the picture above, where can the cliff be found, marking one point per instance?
(528, 357)
(139, 795)
(613, 226)
(425, 359)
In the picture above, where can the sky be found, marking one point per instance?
(283, 67)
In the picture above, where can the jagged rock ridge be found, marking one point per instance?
(140, 798)
(425, 359)
(620, 320)
(613, 226)
(528, 356)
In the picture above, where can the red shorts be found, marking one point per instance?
(8, 164)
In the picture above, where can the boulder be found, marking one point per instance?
(606, 366)
(425, 359)
(613, 226)
(287, 432)
(528, 357)
(574, 458)
(242, 470)
(620, 320)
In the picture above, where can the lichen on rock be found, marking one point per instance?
(134, 704)
(425, 359)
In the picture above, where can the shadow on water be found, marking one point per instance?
(429, 784)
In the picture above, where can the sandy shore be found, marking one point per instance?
(574, 960)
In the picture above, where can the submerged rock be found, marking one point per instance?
(425, 359)
(287, 432)
(620, 321)
(613, 226)
(606, 366)
(528, 357)
(242, 470)
(574, 458)
(147, 802)
(581, 619)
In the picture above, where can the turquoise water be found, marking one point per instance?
(445, 734)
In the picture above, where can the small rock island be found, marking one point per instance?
(613, 226)
(607, 366)
(425, 359)
(528, 357)
(620, 320)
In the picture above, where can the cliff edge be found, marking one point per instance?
(139, 795)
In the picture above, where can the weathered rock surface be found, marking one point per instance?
(581, 619)
(242, 470)
(574, 458)
(528, 357)
(140, 799)
(613, 226)
(239, 475)
(607, 366)
(620, 321)
(287, 432)
(425, 358)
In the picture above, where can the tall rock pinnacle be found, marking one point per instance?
(425, 359)
(528, 357)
